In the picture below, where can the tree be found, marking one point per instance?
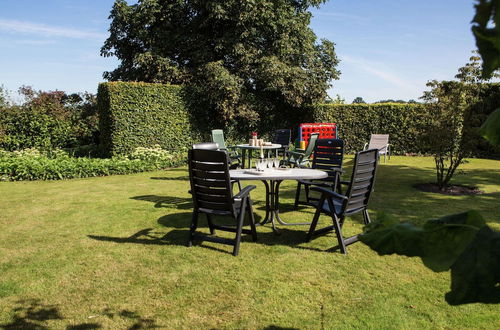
(243, 59)
(358, 99)
(448, 134)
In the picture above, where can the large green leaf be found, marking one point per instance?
(387, 236)
(490, 129)
(438, 243)
(461, 242)
(446, 238)
(486, 29)
(475, 276)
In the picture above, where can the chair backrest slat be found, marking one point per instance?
(310, 145)
(362, 180)
(282, 136)
(328, 155)
(210, 179)
(218, 137)
(378, 141)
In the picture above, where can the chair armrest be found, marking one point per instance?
(294, 153)
(336, 169)
(317, 184)
(245, 192)
(364, 147)
(329, 192)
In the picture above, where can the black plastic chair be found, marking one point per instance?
(215, 146)
(354, 201)
(212, 193)
(283, 137)
(328, 156)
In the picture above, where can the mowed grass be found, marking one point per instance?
(110, 253)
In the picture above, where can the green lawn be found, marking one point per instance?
(110, 253)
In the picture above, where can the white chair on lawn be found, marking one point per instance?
(380, 142)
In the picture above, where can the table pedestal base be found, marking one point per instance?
(272, 206)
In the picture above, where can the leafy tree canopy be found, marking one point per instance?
(358, 99)
(243, 58)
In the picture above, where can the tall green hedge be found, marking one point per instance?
(403, 122)
(133, 114)
(357, 121)
(141, 115)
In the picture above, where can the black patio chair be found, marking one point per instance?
(354, 201)
(283, 137)
(212, 193)
(328, 156)
(215, 146)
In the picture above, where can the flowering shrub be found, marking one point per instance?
(31, 164)
(154, 154)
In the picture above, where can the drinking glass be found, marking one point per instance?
(276, 162)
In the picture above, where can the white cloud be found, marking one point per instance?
(43, 30)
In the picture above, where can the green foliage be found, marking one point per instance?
(486, 29)
(31, 164)
(48, 120)
(460, 242)
(491, 128)
(453, 109)
(356, 122)
(143, 115)
(242, 59)
(358, 99)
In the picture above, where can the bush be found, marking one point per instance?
(404, 122)
(48, 120)
(31, 164)
(135, 115)
(357, 121)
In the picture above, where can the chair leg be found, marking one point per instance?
(194, 225)
(210, 224)
(366, 217)
(239, 227)
(314, 223)
(338, 232)
(306, 189)
(252, 220)
(297, 196)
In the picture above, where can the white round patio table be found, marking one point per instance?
(272, 179)
(248, 148)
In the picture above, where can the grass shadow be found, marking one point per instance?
(166, 201)
(33, 314)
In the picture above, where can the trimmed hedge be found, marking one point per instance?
(357, 121)
(133, 114)
(404, 122)
(142, 114)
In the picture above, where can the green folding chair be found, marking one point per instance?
(218, 137)
(301, 158)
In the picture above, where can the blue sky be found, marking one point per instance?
(388, 49)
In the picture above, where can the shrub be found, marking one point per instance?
(135, 115)
(357, 121)
(32, 164)
(48, 120)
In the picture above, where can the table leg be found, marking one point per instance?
(276, 206)
(243, 157)
(272, 206)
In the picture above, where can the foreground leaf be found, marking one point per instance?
(490, 130)
(446, 238)
(486, 29)
(388, 236)
(438, 243)
(475, 276)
